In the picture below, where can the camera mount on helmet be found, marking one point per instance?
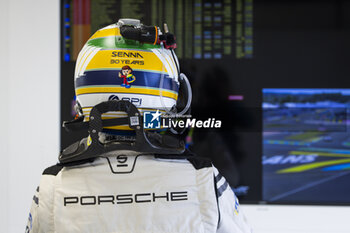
(132, 29)
(145, 142)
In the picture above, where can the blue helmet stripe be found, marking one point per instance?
(110, 77)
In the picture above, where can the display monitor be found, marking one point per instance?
(306, 145)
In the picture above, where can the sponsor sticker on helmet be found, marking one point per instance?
(134, 120)
(127, 76)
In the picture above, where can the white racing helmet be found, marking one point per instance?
(133, 62)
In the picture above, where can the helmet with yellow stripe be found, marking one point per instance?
(129, 61)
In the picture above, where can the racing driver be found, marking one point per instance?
(126, 177)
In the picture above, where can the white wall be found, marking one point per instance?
(29, 119)
(4, 73)
(297, 219)
(29, 92)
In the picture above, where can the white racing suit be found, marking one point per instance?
(129, 193)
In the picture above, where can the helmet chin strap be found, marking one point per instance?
(184, 79)
(145, 142)
(184, 83)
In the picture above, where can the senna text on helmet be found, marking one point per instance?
(126, 54)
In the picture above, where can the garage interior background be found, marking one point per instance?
(30, 90)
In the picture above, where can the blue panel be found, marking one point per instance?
(67, 57)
